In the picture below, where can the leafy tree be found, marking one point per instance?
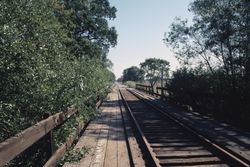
(90, 38)
(153, 68)
(87, 24)
(218, 38)
(120, 79)
(53, 55)
(215, 53)
(188, 44)
(33, 63)
(133, 74)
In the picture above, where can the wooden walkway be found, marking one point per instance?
(105, 139)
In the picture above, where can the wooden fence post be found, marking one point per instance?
(48, 140)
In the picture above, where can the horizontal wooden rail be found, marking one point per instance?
(64, 147)
(191, 93)
(162, 88)
(13, 146)
(52, 162)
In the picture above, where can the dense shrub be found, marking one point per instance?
(52, 57)
(211, 94)
(130, 84)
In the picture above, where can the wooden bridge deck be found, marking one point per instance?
(107, 143)
(105, 139)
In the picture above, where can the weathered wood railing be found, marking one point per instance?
(15, 145)
(193, 100)
(222, 106)
(146, 88)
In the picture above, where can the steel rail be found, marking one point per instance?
(235, 160)
(151, 158)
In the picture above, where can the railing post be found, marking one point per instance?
(48, 140)
(162, 93)
(162, 83)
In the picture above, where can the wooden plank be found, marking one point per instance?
(123, 157)
(106, 139)
(63, 148)
(189, 160)
(135, 151)
(176, 144)
(160, 153)
(150, 154)
(111, 150)
(222, 140)
(71, 111)
(88, 140)
(98, 159)
(13, 146)
(196, 148)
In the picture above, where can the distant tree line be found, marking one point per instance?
(150, 70)
(214, 52)
(53, 54)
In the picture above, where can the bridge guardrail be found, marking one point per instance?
(13, 146)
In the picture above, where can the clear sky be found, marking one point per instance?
(141, 25)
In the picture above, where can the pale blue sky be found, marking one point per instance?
(141, 25)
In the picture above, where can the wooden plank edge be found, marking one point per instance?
(15, 145)
(64, 147)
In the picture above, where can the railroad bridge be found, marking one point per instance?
(139, 129)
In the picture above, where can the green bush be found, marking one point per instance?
(130, 84)
(52, 57)
(211, 94)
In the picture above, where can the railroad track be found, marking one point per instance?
(166, 141)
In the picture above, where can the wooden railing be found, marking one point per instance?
(166, 92)
(15, 145)
(146, 88)
(204, 102)
(150, 90)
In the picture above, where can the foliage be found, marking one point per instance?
(87, 25)
(130, 84)
(153, 68)
(188, 45)
(133, 74)
(214, 52)
(225, 30)
(120, 79)
(74, 155)
(218, 38)
(210, 94)
(33, 63)
(53, 56)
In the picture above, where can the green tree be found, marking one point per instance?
(153, 68)
(188, 45)
(215, 53)
(53, 56)
(33, 62)
(87, 25)
(219, 37)
(133, 74)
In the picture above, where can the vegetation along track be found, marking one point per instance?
(167, 142)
